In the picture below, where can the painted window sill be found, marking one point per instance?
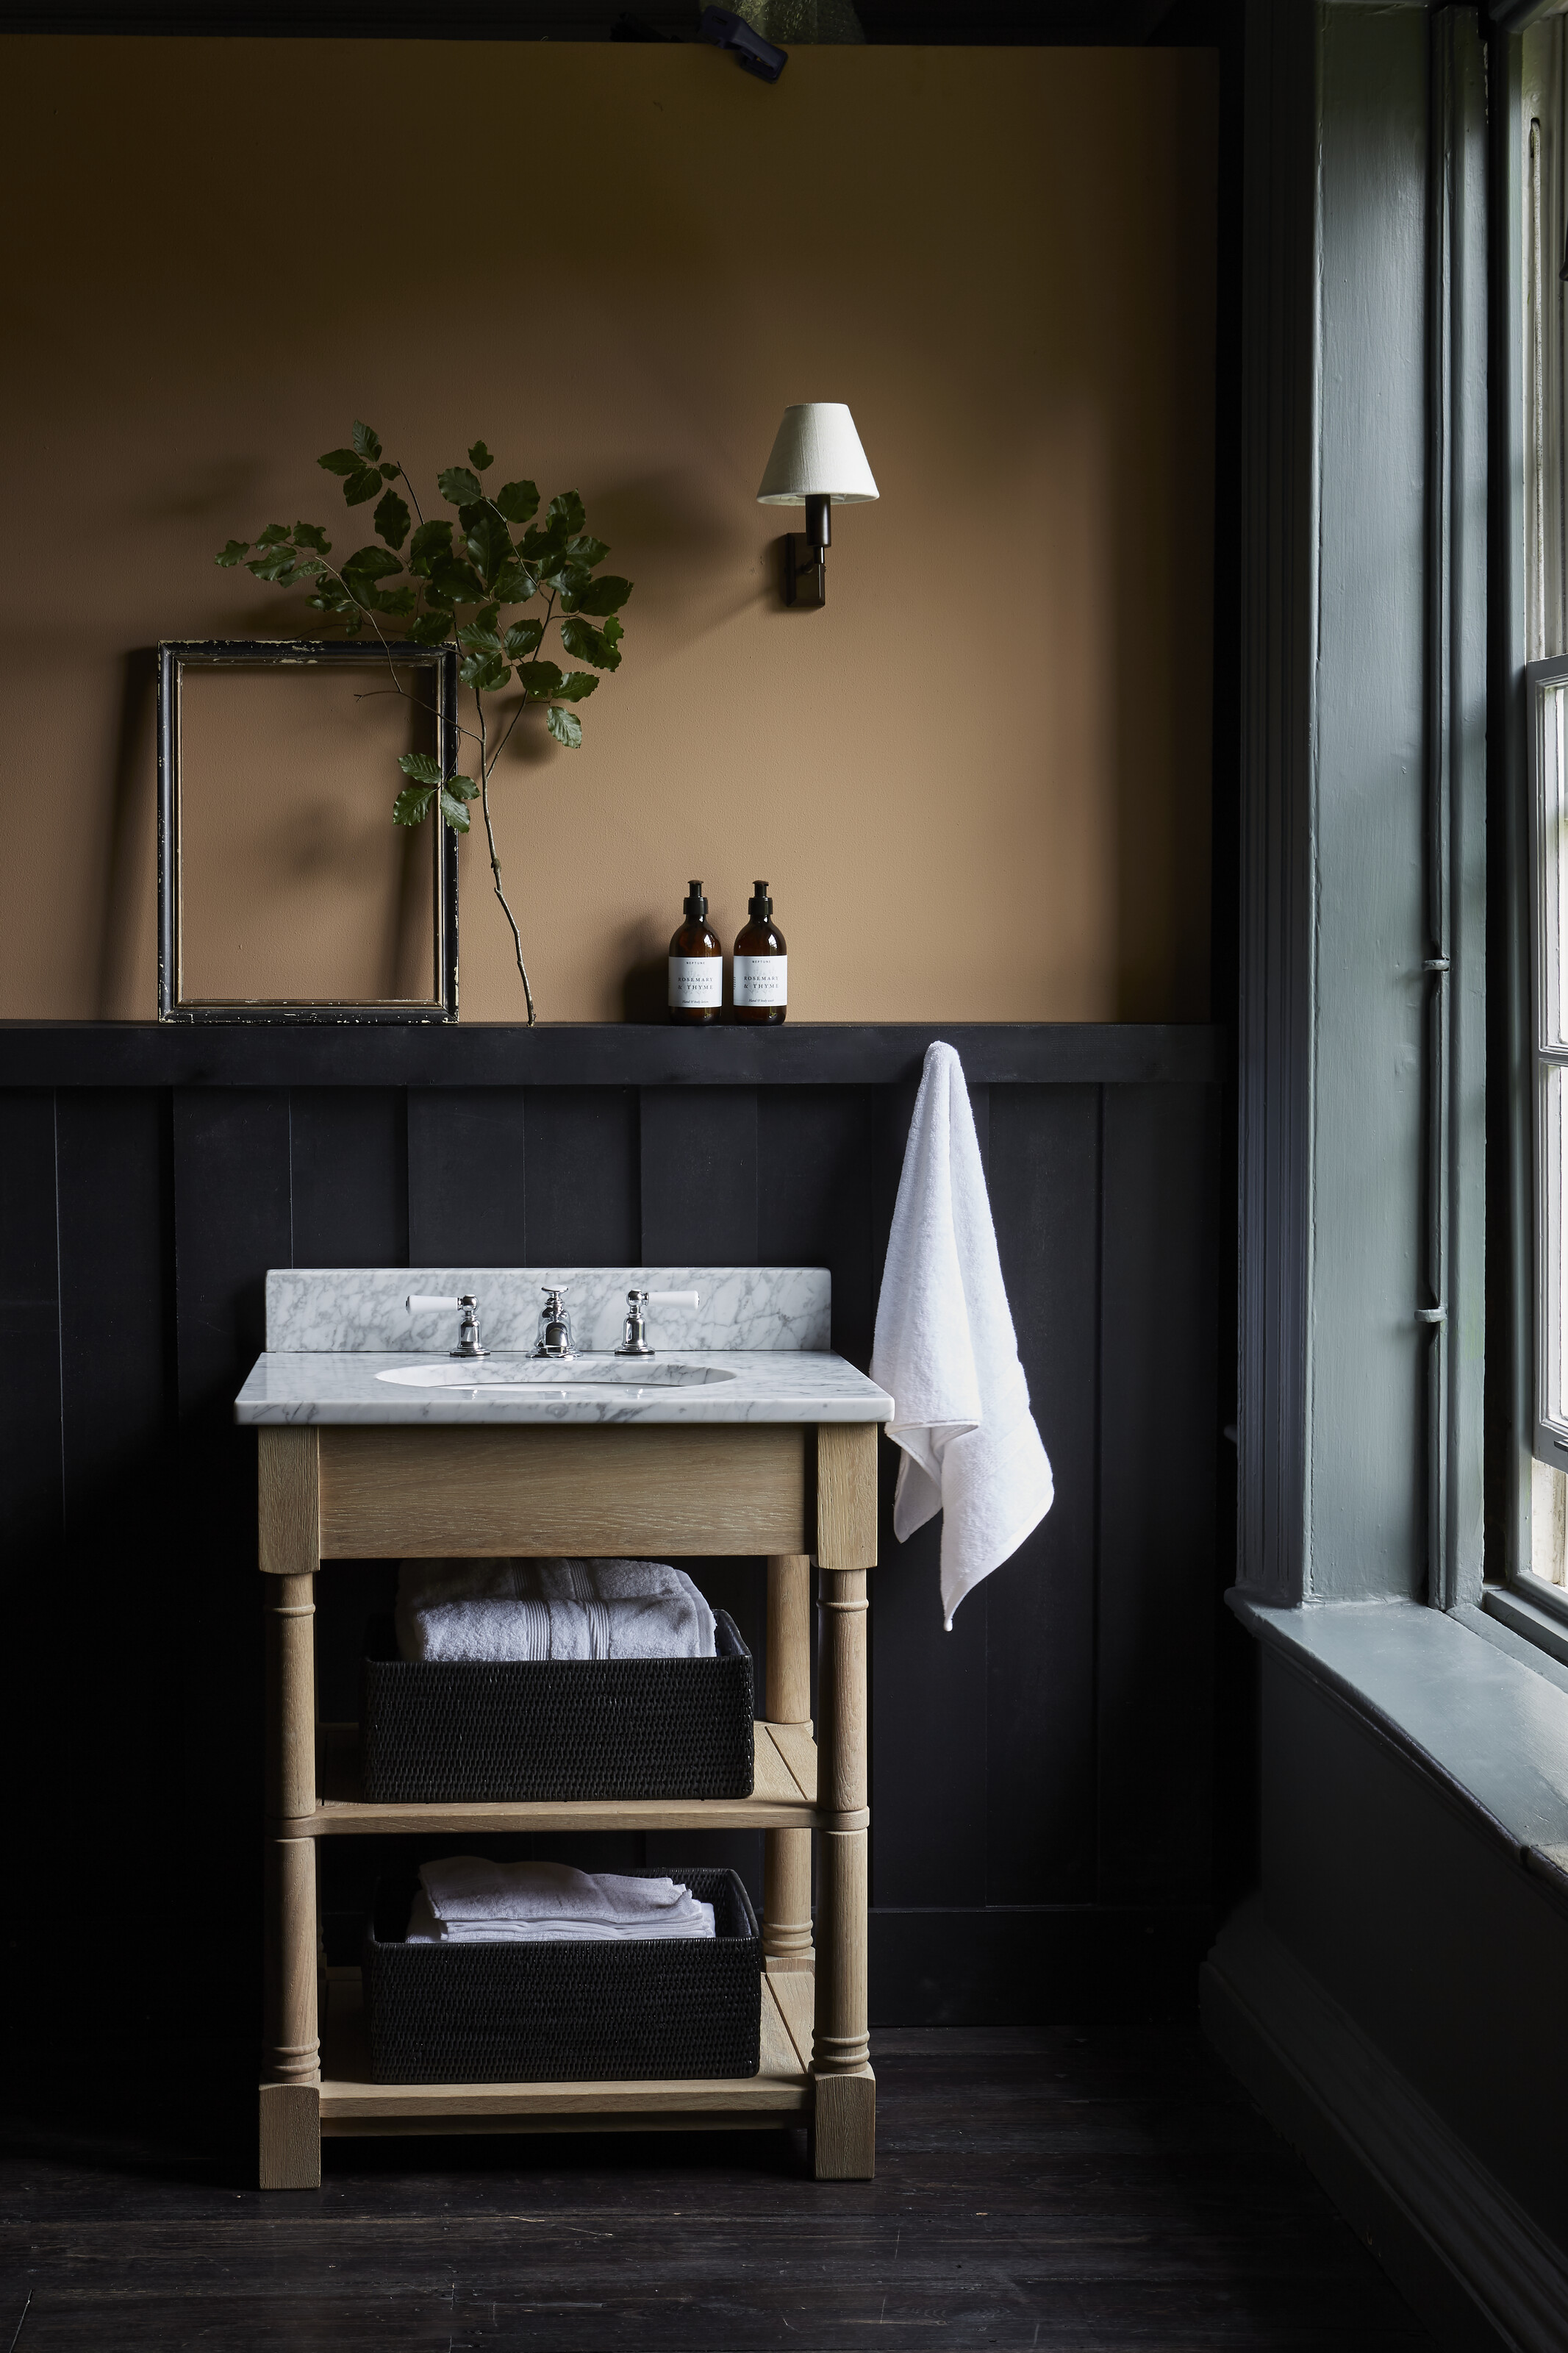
(1478, 1721)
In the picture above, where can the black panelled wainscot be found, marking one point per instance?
(1040, 1778)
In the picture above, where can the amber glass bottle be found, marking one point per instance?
(696, 966)
(761, 963)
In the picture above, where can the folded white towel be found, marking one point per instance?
(464, 1899)
(508, 1610)
(946, 1351)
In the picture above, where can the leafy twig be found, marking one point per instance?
(483, 572)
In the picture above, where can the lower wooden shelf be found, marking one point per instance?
(783, 1797)
(780, 2094)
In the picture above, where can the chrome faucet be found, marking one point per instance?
(634, 1338)
(467, 1307)
(555, 1327)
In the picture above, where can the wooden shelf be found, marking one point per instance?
(783, 1797)
(780, 2094)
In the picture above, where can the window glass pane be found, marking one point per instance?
(1551, 877)
(1553, 1264)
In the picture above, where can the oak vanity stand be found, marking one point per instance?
(790, 1490)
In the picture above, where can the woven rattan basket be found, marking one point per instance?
(440, 1732)
(618, 2011)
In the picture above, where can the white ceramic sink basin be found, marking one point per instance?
(531, 1374)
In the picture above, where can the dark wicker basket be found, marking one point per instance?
(512, 2013)
(446, 1732)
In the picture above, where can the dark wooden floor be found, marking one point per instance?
(1104, 2189)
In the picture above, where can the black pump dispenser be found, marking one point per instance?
(759, 906)
(695, 906)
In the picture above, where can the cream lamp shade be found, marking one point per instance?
(816, 455)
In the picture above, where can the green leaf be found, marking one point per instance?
(390, 473)
(366, 443)
(340, 461)
(605, 595)
(371, 563)
(275, 564)
(566, 511)
(568, 578)
(362, 484)
(577, 686)
(487, 673)
(274, 535)
(332, 598)
(538, 679)
(479, 640)
(392, 519)
(564, 727)
(543, 542)
(397, 601)
(412, 805)
(486, 617)
(458, 486)
(585, 643)
(431, 629)
(457, 582)
(522, 639)
(307, 567)
(518, 501)
(514, 584)
(480, 457)
(586, 549)
(421, 767)
(490, 544)
(431, 539)
(310, 535)
(464, 787)
(453, 810)
(232, 553)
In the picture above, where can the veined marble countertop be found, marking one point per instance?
(316, 1310)
(732, 1386)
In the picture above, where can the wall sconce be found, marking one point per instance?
(815, 460)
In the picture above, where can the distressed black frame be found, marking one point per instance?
(174, 656)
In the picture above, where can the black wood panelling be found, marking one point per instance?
(468, 1197)
(699, 1176)
(1040, 1687)
(1039, 1776)
(567, 1054)
(350, 1176)
(30, 1429)
(582, 1178)
(1158, 1471)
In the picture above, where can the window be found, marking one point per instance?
(1545, 379)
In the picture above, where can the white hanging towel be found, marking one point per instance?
(946, 1353)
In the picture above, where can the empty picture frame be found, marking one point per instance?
(285, 890)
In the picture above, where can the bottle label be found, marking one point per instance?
(696, 980)
(761, 980)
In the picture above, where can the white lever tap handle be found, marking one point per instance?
(674, 1299)
(417, 1303)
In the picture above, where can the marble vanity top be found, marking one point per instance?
(342, 1349)
(767, 1385)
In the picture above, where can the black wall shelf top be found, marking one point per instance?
(579, 1054)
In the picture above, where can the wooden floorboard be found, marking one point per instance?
(1051, 2192)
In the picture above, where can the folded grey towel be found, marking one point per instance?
(464, 1899)
(488, 1610)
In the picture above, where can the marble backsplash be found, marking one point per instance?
(325, 1311)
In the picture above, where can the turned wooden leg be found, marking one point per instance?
(845, 2103)
(786, 1854)
(291, 2150)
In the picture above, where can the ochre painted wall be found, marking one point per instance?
(978, 781)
